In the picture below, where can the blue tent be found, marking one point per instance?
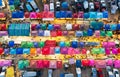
(105, 14)
(62, 44)
(81, 44)
(11, 30)
(107, 26)
(29, 0)
(19, 29)
(93, 14)
(11, 2)
(69, 14)
(93, 24)
(26, 51)
(40, 33)
(78, 63)
(57, 50)
(113, 27)
(0, 2)
(96, 25)
(62, 75)
(86, 15)
(89, 32)
(50, 27)
(65, 5)
(118, 26)
(19, 51)
(99, 15)
(11, 43)
(13, 51)
(18, 14)
(26, 30)
(63, 14)
(38, 26)
(14, 14)
(79, 33)
(58, 14)
(74, 44)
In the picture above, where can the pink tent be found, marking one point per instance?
(33, 15)
(50, 15)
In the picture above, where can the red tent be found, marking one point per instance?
(2, 15)
(39, 15)
(27, 14)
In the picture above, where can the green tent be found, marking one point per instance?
(12, 7)
(41, 44)
(102, 33)
(16, 2)
(30, 45)
(109, 33)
